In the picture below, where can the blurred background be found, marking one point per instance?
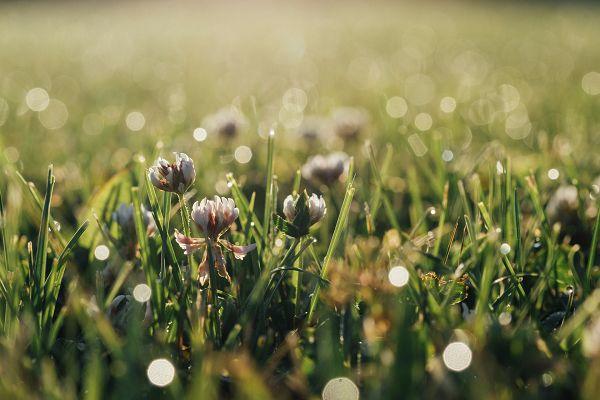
(89, 86)
(469, 107)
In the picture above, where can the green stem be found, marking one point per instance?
(185, 220)
(214, 312)
(592, 258)
(298, 284)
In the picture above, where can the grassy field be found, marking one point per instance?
(450, 249)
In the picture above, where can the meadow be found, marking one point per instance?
(299, 201)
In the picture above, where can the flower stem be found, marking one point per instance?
(298, 284)
(214, 312)
(185, 221)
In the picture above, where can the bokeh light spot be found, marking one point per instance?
(200, 134)
(396, 107)
(101, 252)
(294, 100)
(135, 121)
(590, 83)
(340, 389)
(423, 121)
(161, 372)
(142, 292)
(448, 104)
(55, 115)
(505, 248)
(37, 99)
(447, 155)
(457, 356)
(417, 145)
(243, 154)
(398, 276)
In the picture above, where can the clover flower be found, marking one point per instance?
(124, 217)
(124, 310)
(563, 205)
(213, 218)
(311, 128)
(349, 122)
(325, 169)
(316, 208)
(227, 122)
(176, 177)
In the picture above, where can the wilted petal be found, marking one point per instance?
(203, 273)
(220, 262)
(188, 244)
(239, 252)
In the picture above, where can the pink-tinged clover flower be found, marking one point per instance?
(213, 218)
(176, 177)
(301, 211)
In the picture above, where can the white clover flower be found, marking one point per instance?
(316, 208)
(562, 206)
(227, 122)
(123, 216)
(124, 310)
(311, 128)
(325, 169)
(213, 218)
(349, 122)
(176, 177)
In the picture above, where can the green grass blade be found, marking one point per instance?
(335, 239)
(41, 254)
(593, 252)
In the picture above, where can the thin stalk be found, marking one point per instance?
(335, 239)
(213, 291)
(269, 187)
(593, 251)
(185, 221)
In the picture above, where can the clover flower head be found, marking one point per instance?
(311, 128)
(325, 169)
(562, 206)
(125, 310)
(124, 217)
(227, 122)
(176, 177)
(213, 218)
(316, 208)
(349, 122)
